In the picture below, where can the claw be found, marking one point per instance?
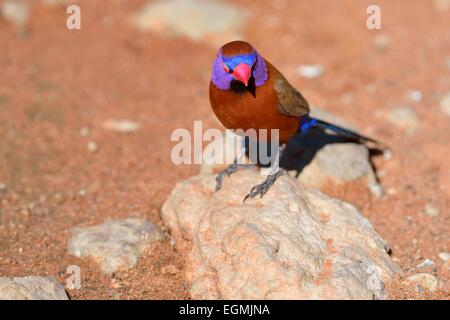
(228, 172)
(261, 189)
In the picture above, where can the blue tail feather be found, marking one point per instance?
(306, 122)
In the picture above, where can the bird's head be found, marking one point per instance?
(238, 61)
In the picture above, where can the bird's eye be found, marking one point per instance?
(225, 67)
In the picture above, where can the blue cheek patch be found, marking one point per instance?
(233, 62)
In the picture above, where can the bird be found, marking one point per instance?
(247, 92)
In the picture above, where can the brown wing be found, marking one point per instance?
(291, 101)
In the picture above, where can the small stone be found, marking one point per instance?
(445, 104)
(426, 263)
(31, 288)
(84, 131)
(341, 162)
(404, 118)
(423, 280)
(16, 12)
(381, 42)
(387, 154)
(3, 187)
(122, 126)
(445, 256)
(54, 3)
(415, 95)
(431, 210)
(92, 146)
(194, 19)
(170, 269)
(311, 71)
(447, 62)
(116, 244)
(442, 5)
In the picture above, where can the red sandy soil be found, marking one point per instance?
(54, 82)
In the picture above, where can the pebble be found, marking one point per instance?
(387, 154)
(170, 269)
(116, 244)
(92, 146)
(447, 62)
(431, 210)
(426, 263)
(404, 118)
(3, 187)
(423, 280)
(31, 288)
(442, 5)
(122, 126)
(415, 95)
(194, 19)
(84, 131)
(310, 71)
(381, 42)
(445, 104)
(445, 256)
(16, 12)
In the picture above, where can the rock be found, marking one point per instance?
(404, 118)
(425, 264)
(442, 5)
(340, 163)
(170, 269)
(445, 256)
(92, 146)
(3, 187)
(431, 210)
(381, 42)
(16, 12)
(291, 244)
(31, 288)
(447, 62)
(415, 95)
(115, 244)
(310, 71)
(194, 19)
(423, 281)
(84, 131)
(55, 3)
(122, 126)
(445, 104)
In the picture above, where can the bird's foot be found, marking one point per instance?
(229, 171)
(261, 189)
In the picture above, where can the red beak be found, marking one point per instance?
(242, 73)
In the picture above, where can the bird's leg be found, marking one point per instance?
(236, 166)
(261, 189)
(275, 172)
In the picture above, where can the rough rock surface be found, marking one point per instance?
(195, 19)
(291, 244)
(423, 281)
(31, 288)
(115, 244)
(340, 163)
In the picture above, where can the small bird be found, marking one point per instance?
(248, 92)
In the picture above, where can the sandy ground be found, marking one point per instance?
(55, 83)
